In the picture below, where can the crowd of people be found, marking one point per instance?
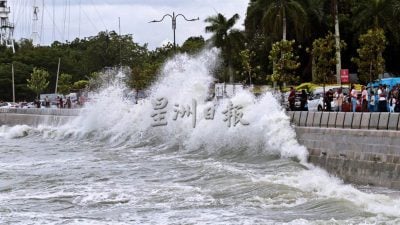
(381, 99)
(48, 102)
(59, 102)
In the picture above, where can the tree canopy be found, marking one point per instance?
(38, 81)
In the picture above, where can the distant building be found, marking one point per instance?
(223, 90)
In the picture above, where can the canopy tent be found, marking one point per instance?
(390, 82)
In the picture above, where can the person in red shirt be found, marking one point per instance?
(291, 98)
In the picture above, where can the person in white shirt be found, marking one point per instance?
(372, 101)
(353, 95)
(382, 103)
(339, 97)
(392, 101)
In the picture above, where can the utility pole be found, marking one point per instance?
(58, 73)
(13, 84)
(173, 17)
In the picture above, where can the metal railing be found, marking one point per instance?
(5, 24)
(6, 10)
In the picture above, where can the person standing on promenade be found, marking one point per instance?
(47, 102)
(37, 102)
(372, 100)
(397, 95)
(353, 95)
(61, 103)
(392, 100)
(68, 102)
(291, 98)
(329, 99)
(364, 99)
(382, 103)
(339, 97)
(303, 100)
(58, 102)
(81, 101)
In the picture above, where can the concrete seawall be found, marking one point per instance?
(35, 117)
(361, 148)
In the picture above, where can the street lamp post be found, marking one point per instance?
(173, 17)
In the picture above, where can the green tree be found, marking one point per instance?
(324, 59)
(38, 81)
(246, 56)
(284, 62)
(370, 61)
(193, 45)
(143, 76)
(64, 84)
(80, 84)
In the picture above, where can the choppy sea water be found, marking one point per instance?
(110, 166)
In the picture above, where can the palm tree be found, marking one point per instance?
(220, 26)
(383, 14)
(224, 36)
(337, 40)
(275, 15)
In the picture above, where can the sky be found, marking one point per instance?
(84, 18)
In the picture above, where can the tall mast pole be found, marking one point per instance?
(7, 36)
(120, 42)
(54, 20)
(42, 24)
(6, 28)
(79, 23)
(35, 33)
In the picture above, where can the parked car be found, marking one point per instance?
(315, 102)
(28, 105)
(316, 99)
(8, 105)
(297, 102)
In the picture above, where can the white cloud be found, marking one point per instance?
(165, 42)
(93, 16)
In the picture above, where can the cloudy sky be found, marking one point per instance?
(83, 18)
